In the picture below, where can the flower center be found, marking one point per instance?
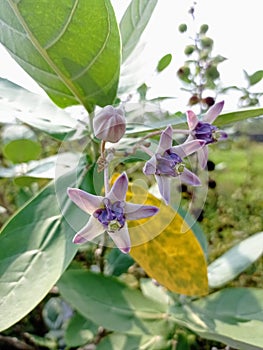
(169, 164)
(207, 132)
(111, 215)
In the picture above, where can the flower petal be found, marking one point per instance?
(166, 140)
(84, 200)
(192, 119)
(202, 155)
(213, 112)
(188, 148)
(164, 184)
(119, 189)
(190, 178)
(150, 166)
(93, 229)
(138, 211)
(122, 239)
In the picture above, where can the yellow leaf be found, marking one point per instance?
(166, 247)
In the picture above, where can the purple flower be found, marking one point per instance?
(203, 130)
(109, 213)
(167, 162)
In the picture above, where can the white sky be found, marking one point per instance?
(235, 26)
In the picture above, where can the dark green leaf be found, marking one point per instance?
(133, 23)
(111, 304)
(71, 48)
(36, 248)
(79, 331)
(164, 62)
(117, 262)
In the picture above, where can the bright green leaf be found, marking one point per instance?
(71, 48)
(256, 77)
(233, 316)
(164, 62)
(235, 260)
(111, 304)
(36, 247)
(20, 151)
(133, 23)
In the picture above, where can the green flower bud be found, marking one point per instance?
(204, 28)
(109, 124)
(182, 28)
(189, 49)
(207, 42)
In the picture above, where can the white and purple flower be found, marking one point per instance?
(204, 130)
(167, 162)
(109, 213)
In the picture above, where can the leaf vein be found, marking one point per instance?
(63, 29)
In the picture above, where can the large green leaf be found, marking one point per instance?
(232, 117)
(36, 247)
(116, 341)
(36, 110)
(71, 48)
(232, 316)
(235, 260)
(111, 304)
(133, 23)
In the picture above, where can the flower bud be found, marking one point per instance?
(109, 124)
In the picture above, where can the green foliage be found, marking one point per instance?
(112, 304)
(114, 301)
(133, 23)
(164, 62)
(76, 59)
(44, 251)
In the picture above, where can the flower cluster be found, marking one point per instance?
(111, 212)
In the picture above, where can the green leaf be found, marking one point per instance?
(118, 341)
(46, 168)
(133, 23)
(36, 247)
(20, 144)
(255, 77)
(117, 262)
(111, 304)
(235, 260)
(20, 151)
(35, 110)
(164, 62)
(233, 316)
(232, 117)
(70, 48)
(153, 291)
(79, 331)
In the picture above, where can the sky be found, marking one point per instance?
(235, 26)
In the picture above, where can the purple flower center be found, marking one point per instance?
(169, 163)
(111, 215)
(207, 132)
